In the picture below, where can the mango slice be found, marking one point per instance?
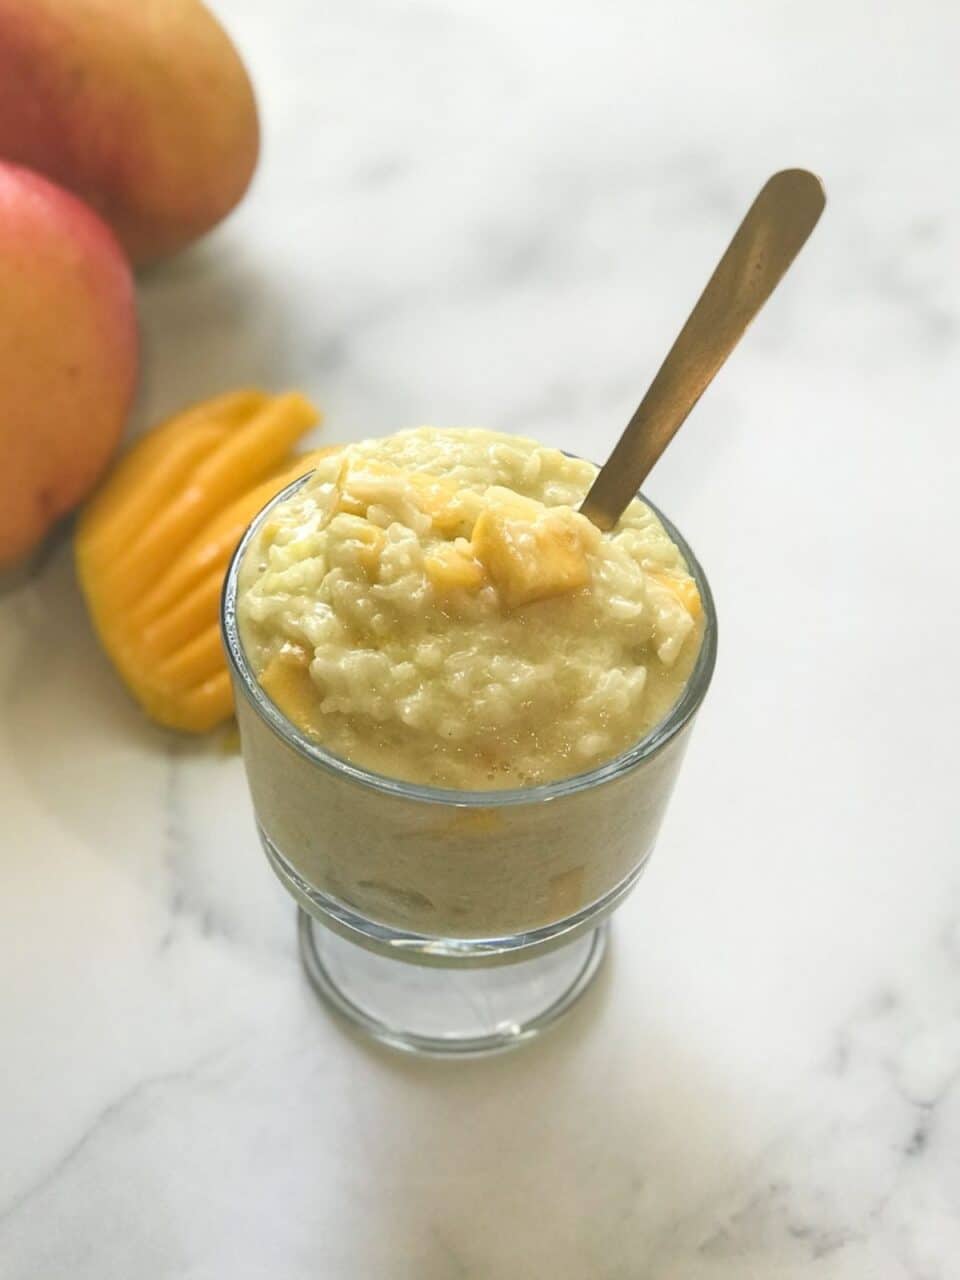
(530, 559)
(153, 544)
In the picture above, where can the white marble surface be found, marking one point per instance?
(499, 213)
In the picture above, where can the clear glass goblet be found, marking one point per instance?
(453, 922)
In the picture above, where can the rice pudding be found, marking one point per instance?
(432, 607)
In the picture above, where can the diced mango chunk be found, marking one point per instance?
(528, 559)
(510, 503)
(363, 484)
(286, 681)
(438, 498)
(684, 588)
(449, 569)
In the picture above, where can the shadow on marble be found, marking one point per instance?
(169, 812)
(493, 1179)
(78, 744)
(245, 328)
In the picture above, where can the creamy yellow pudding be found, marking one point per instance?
(432, 607)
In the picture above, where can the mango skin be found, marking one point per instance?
(68, 355)
(142, 107)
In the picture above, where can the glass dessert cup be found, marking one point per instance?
(453, 922)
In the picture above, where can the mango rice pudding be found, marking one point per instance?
(432, 607)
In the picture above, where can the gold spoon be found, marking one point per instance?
(766, 242)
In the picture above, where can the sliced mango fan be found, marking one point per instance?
(153, 544)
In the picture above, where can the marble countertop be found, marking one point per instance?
(500, 213)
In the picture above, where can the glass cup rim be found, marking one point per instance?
(651, 744)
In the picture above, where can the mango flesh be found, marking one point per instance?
(142, 107)
(286, 681)
(436, 496)
(153, 544)
(451, 568)
(530, 555)
(68, 354)
(685, 589)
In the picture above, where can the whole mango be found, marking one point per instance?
(68, 354)
(142, 107)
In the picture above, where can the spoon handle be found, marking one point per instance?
(766, 242)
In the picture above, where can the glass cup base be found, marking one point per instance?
(452, 1011)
